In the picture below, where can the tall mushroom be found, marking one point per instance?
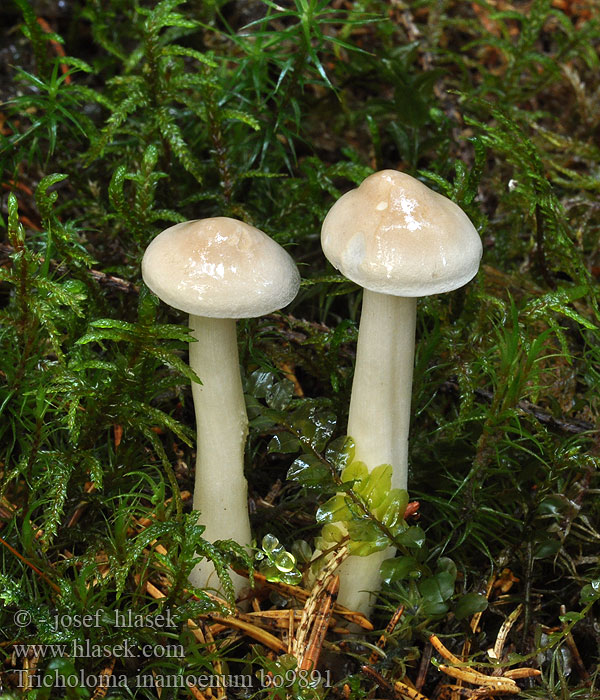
(398, 240)
(218, 270)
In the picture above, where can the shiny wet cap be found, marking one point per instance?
(396, 236)
(220, 268)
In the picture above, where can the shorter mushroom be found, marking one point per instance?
(218, 270)
(399, 240)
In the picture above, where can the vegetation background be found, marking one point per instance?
(119, 118)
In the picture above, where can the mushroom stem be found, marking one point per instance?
(379, 417)
(220, 492)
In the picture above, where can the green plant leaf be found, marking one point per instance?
(400, 569)
(470, 604)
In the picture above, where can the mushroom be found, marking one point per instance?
(218, 270)
(399, 240)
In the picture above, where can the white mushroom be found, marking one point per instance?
(398, 240)
(218, 270)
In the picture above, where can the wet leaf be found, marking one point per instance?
(308, 470)
(334, 510)
(399, 569)
(356, 471)
(412, 537)
(284, 443)
(470, 604)
(436, 591)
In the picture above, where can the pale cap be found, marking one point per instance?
(396, 236)
(220, 268)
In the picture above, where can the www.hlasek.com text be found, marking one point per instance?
(87, 650)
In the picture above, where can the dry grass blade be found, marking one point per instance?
(319, 628)
(475, 678)
(313, 600)
(447, 692)
(423, 667)
(442, 651)
(475, 620)
(103, 684)
(492, 692)
(384, 684)
(233, 622)
(249, 630)
(196, 693)
(504, 630)
(466, 674)
(30, 663)
(522, 673)
(288, 591)
(407, 692)
(391, 626)
(290, 630)
(503, 683)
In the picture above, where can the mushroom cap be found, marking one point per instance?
(396, 236)
(220, 268)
